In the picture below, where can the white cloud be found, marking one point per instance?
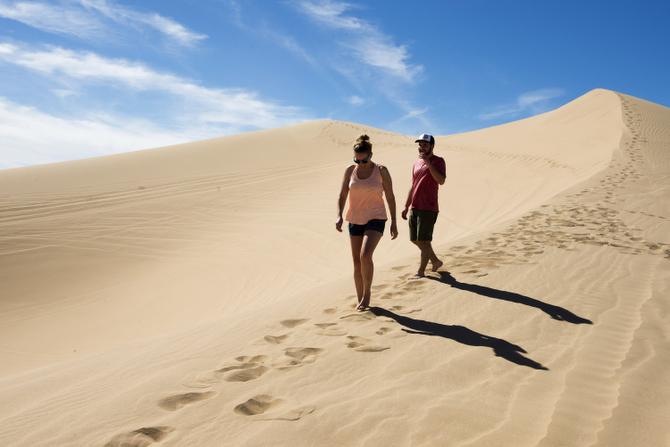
(165, 25)
(355, 100)
(535, 102)
(7, 48)
(331, 13)
(53, 18)
(414, 113)
(235, 107)
(529, 99)
(368, 43)
(30, 136)
(63, 92)
(183, 109)
(90, 19)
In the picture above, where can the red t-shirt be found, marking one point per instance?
(424, 186)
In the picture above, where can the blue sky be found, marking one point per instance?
(80, 78)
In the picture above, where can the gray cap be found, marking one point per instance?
(426, 137)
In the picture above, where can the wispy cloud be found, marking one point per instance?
(182, 109)
(331, 13)
(53, 18)
(236, 107)
(30, 136)
(91, 19)
(271, 34)
(536, 101)
(365, 40)
(355, 100)
(165, 25)
(412, 116)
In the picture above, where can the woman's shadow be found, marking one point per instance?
(555, 312)
(501, 348)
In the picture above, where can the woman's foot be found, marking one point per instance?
(437, 264)
(363, 304)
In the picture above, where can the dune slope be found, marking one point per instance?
(199, 295)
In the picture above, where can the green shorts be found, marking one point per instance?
(421, 224)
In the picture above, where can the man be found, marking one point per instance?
(428, 172)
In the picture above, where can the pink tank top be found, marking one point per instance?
(366, 198)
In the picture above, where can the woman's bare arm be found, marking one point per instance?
(342, 199)
(390, 199)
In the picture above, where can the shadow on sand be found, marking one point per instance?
(555, 312)
(461, 334)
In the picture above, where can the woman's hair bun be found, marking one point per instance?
(363, 144)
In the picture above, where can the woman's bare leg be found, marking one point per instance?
(370, 241)
(356, 244)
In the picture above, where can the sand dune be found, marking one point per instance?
(199, 294)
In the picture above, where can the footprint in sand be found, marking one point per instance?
(176, 401)
(296, 357)
(258, 404)
(262, 403)
(414, 283)
(362, 316)
(141, 437)
(330, 310)
(246, 375)
(275, 339)
(363, 344)
(406, 311)
(383, 330)
(291, 323)
(330, 329)
(248, 368)
(292, 415)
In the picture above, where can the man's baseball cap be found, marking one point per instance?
(426, 137)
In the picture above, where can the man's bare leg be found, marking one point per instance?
(427, 254)
(370, 241)
(433, 258)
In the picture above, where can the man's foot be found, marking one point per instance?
(437, 264)
(362, 308)
(419, 275)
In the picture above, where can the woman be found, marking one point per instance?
(364, 183)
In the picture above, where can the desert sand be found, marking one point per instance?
(199, 295)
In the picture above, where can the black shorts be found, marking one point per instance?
(421, 224)
(374, 224)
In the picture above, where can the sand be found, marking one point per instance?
(199, 295)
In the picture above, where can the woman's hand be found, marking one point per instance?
(394, 230)
(338, 224)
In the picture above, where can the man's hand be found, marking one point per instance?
(338, 224)
(404, 214)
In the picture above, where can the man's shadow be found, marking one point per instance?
(555, 312)
(501, 348)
